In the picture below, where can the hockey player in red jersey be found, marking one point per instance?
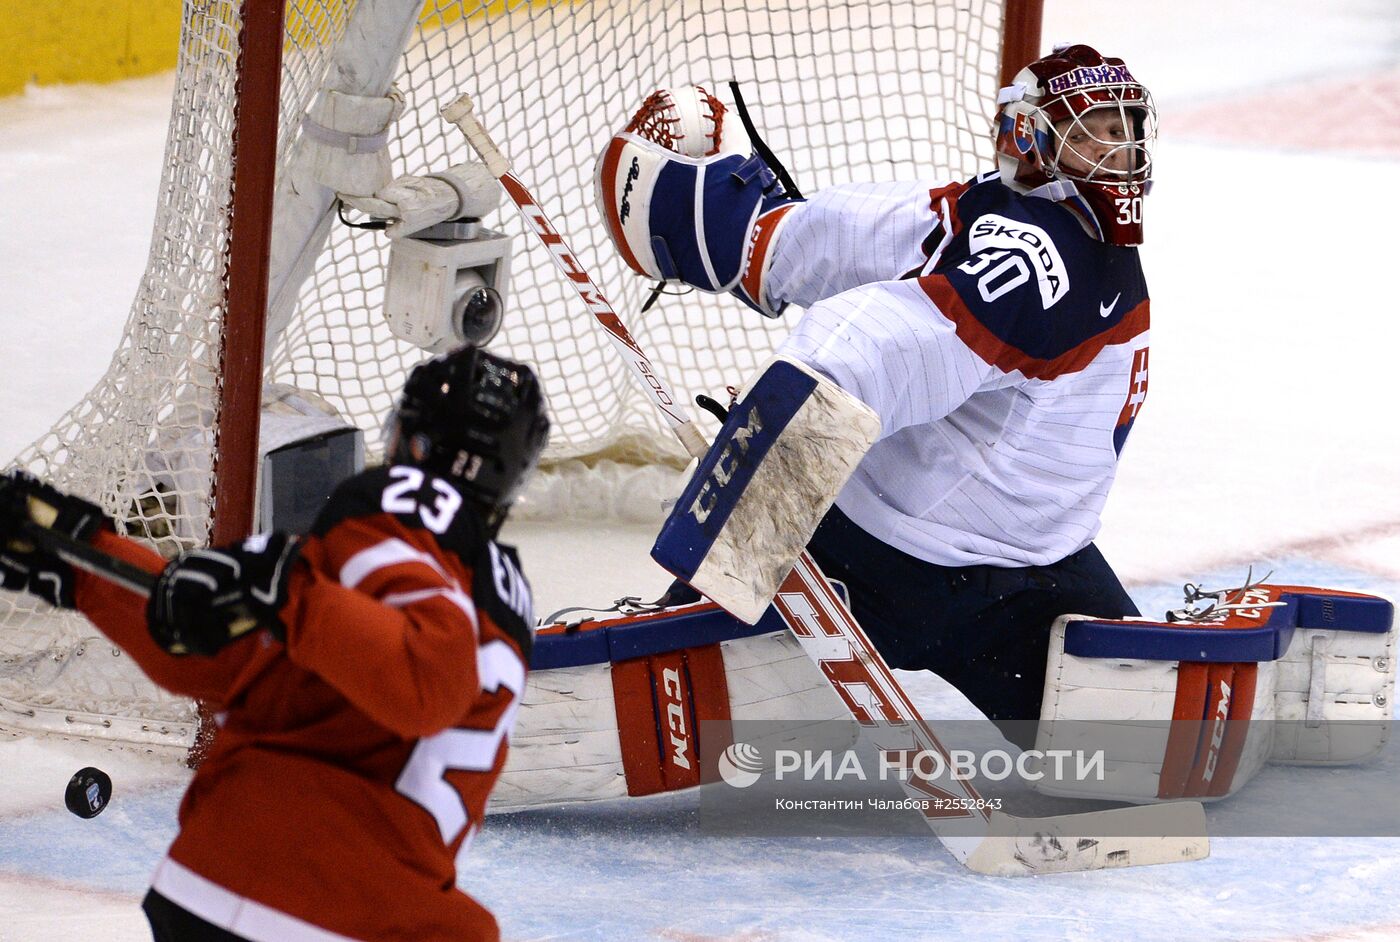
(364, 677)
(996, 326)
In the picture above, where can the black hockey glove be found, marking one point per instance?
(207, 598)
(24, 567)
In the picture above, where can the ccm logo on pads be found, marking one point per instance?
(993, 237)
(673, 695)
(1217, 732)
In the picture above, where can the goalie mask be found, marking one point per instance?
(1076, 116)
(476, 419)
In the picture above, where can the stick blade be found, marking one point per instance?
(1174, 832)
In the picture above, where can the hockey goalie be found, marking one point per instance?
(977, 352)
(945, 455)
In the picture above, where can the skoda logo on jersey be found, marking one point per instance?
(992, 232)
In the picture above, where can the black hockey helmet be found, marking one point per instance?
(475, 418)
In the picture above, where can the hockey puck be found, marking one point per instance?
(88, 792)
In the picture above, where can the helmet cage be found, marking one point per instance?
(1126, 159)
(1042, 136)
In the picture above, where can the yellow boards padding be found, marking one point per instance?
(85, 40)
(51, 42)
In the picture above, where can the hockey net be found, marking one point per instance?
(841, 89)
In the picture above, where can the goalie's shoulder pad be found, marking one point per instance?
(679, 218)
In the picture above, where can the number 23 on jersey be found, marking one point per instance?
(403, 497)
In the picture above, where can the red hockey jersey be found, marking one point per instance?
(352, 762)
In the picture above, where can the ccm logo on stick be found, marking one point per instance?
(674, 694)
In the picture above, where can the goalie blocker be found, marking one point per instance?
(1194, 709)
(772, 473)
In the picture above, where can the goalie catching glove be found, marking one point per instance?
(27, 501)
(680, 209)
(207, 598)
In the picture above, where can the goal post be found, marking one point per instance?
(253, 153)
(1020, 37)
(168, 441)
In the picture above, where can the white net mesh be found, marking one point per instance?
(877, 90)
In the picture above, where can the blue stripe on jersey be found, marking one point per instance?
(1120, 436)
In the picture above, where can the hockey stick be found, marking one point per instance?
(83, 555)
(982, 839)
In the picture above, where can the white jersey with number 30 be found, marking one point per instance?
(1003, 347)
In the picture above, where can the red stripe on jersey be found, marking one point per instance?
(949, 212)
(997, 352)
(661, 700)
(608, 181)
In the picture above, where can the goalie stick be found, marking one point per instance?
(984, 840)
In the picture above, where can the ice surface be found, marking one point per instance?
(1268, 438)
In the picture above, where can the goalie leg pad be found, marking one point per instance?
(615, 708)
(1193, 710)
(1336, 679)
(679, 218)
(773, 472)
(1162, 728)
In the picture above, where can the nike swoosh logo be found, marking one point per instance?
(1105, 310)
